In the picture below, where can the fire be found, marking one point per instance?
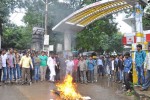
(68, 89)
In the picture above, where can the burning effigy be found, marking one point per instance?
(67, 90)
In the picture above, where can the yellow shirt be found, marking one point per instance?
(25, 62)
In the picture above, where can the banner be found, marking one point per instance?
(130, 39)
(46, 39)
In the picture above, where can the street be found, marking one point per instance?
(102, 90)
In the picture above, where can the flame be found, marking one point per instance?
(68, 89)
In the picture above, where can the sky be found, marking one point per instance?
(123, 27)
(17, 17)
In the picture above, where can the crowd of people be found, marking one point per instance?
(30, 67)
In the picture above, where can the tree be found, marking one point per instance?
(100, 35)
(146, 18)
(16, 37)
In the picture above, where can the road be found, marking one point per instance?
(102, 90)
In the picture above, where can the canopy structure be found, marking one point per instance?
(81, 18)
(85, 16)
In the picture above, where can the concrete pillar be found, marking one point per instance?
(67, 41)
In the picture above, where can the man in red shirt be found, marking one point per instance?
(75, 70)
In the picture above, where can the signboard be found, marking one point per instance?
(51, 47)
(59, 47)
(130, 39)
(46, 39)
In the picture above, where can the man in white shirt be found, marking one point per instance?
(112, 68)
(69, 64)
(51, 64)
(4, 65)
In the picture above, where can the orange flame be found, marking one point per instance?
(68, 89)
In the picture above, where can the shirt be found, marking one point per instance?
(91, 64)
(0, 62)
(140, 58)
(36, 61)
(76, 61)
(17, 56)
(120, 64)
(25, 62)
(69, 64)
(117, 60)
(127, 64)
(51, 62)
(43, 60)
(112, 65)
(11, 60)
(4, 60)
(99, 62)
(147, 61)
(82, 65)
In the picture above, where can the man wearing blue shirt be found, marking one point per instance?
(127, 68)
(90, 65)
(100, 66)
(139, 63)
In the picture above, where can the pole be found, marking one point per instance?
(46, 16)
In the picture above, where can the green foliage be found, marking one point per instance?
(16, 37)
(34, 13)
(146, 22)
(100, 35)
(146, 18)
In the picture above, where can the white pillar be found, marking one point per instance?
(139, 26)
(67, 41)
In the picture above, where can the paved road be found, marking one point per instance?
(102, 90)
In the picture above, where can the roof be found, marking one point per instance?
(81, 18)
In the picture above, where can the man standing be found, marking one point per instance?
(91, 64)
(62, 67)
(75, 70)
(4, 67)
(69, 64)
(139, 63)
(11, 65)
(51, 64)
(116, 69)
(120, 67)
(18, 70)
(127, 69)
(43, 65)
(100, 66)
(0, 67)
(36, 67)
(57, 68)
(147, 67)
(25, 63)
(83, 68)
(112, 68)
